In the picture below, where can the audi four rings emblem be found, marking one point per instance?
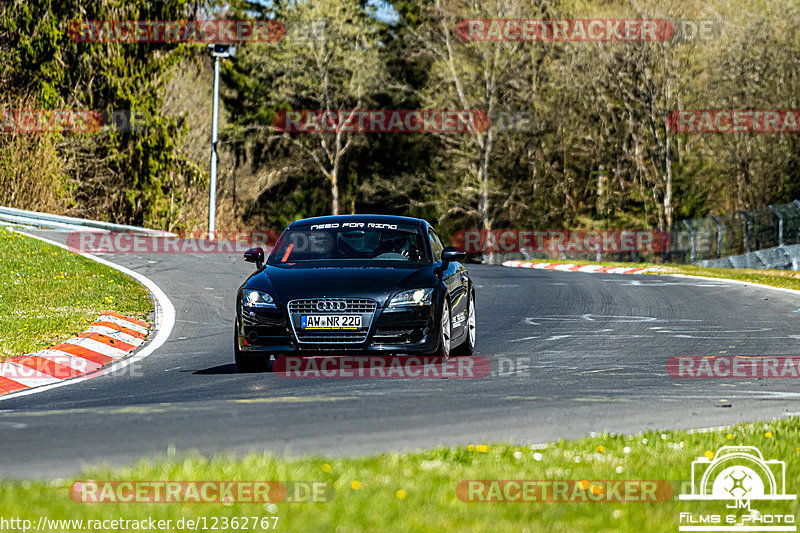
(331, 305)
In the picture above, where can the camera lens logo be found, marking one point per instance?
(737, 473)
(737, 484)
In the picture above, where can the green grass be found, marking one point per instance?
(587, 262)
(48, 294)
(429, 479)
(788, 279)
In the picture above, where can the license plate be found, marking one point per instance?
(330, 321)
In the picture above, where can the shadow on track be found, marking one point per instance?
(230, 368)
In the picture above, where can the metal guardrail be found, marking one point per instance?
(46, 220)
(746, 237)
(767, 237)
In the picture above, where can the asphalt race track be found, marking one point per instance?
(595, 346)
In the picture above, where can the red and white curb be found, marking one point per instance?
(109, 338)
(568, 267)
(160, 331)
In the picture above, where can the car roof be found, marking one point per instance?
(383, 219)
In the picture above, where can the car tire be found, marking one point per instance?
(445, 331)
(248, 363)
(468, 346)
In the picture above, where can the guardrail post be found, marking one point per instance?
(780, 224)
(719, 237)
(694, 240)
(663, 248)
(633, 250)
(796, 204)
(749, 220)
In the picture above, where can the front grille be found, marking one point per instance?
(353, 306)
(331, 337)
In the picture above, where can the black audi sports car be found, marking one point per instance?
(355, 284)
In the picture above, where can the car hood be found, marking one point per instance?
(328, 282)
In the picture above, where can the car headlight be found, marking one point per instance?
(412, 297)
(258, 299)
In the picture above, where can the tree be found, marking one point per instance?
(123, 175)
(475, 76)
(329, 61)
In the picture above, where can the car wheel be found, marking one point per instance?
(468, 346)
(248, 363)
(445, 332)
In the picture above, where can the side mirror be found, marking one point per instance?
(255, 255)
(452, 254)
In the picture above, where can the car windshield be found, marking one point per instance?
(362, 242)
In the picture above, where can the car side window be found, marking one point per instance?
(436, 245)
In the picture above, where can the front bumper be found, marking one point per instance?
(405, 330)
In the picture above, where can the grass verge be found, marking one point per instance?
(787, 279)
(416, 491)
(48, 294)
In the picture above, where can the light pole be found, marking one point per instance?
(217, 51)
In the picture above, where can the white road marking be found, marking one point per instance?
(524, 339)
(600, 370)
(603, 318)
